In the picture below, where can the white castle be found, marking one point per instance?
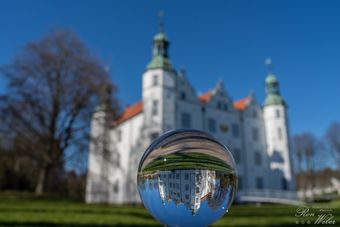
(257, 136)
(188, 187)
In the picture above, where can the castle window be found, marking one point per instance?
(186, 196)
(284, 183)
(237, 155)
(259, 183)
(116, 186)
(187, 187)
(153, 136)
(154, 80)
(219, 105)
(119, 135)
(240, 186)
(225, 107)
(279, 133)
(155, 107)
(168, 94)
(183, 96)
(235, 130)
(277, 113)
(258, 158)
(186, 176)
(116, 160)
(255, 134)
(254, 114)
(186, 120)
(212, 125)
(197, 177)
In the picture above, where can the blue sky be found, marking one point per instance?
(212, 40)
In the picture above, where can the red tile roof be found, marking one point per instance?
(242, 103)
(205, 97)
(137, 108)
(205, 197)
(130, 112)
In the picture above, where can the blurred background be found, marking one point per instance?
(62, 60)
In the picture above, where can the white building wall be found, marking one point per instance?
(130, 133)
(117, 184)
(277, 138)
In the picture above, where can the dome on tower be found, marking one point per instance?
(160, 36)
(160, 57)
(273, 96)
(271, 79)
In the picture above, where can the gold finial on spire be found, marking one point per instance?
(268, 62)
(160, 20)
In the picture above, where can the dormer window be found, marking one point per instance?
(219, 105)
(254, 114)
(225, 107)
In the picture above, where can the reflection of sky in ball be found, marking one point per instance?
(171, 212)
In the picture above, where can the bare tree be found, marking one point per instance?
(53, 87)
(333, 139)
(305, 147)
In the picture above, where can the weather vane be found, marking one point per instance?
(160, 20)
(268, 62)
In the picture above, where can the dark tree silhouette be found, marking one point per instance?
(53, 87)
(333, 139)
(305, 148)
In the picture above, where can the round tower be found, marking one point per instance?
(277, 132)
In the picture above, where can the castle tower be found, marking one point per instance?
(277, 133)
(159, 82)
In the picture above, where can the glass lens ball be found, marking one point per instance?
(187, 178)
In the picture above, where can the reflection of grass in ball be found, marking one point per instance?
(190, 160)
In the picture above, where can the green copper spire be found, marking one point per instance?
(273, 96)
(160, 56)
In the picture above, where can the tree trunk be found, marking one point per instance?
(40, 186)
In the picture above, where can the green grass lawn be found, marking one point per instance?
(25, 210)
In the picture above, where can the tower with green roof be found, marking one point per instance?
(158, 91)
(273, 96)
(277, 132)
(160, 56)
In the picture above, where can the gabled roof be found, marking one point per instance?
(205, 97)
(242, 103)
(239, 104)
(130, 112)
(137, 107)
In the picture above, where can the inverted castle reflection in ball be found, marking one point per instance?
(187, 178)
